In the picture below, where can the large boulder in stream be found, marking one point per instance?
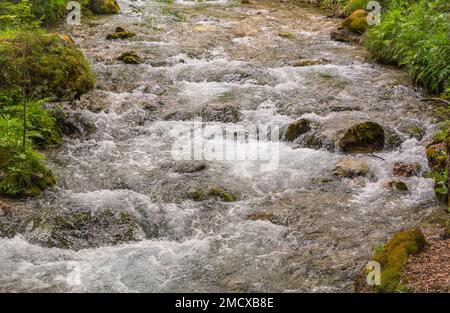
(104, 6)
(351, 29)
(365, 137)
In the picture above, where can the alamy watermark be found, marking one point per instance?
(196, 141)
(373, 277)
(74, 13)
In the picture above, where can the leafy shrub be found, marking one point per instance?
(22, 169)
(415, 35)
(17, 16)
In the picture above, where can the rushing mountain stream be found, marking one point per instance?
(129, 215)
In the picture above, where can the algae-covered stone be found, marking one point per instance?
(120, 33)
(130, 57)
(356, 22)
(212, 193)
(54, 66)
(351, 29)
(297, 128)
(104, 6)
(392, 258)
(364, 137)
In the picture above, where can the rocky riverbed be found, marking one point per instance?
(128, 216)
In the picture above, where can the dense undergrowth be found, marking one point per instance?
(36, 66)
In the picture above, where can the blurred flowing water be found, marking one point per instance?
(221, 53)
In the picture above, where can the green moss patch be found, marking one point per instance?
(129, 57)
(214, 192)
(363, 137)
(394, 255)
(54, 67)
(104, 6)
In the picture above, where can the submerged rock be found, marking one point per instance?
(104, 6)
(397, 185)
(365, 137)
(351, 29)
(70, 230)
(306, 62)
(407, 169)
(214, 112)
(73, 124)
(212, 193)
(393, 257)
(129, 57)
(295, 129)
(190, 167)
(261, 216)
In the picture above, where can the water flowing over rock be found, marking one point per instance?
(141, 205)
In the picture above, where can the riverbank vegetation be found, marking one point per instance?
(412, 35)
(37, 66)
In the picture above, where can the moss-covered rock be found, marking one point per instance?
(130, 57)
(295, 129)
(364, 137)
(104, 6)
(212, 193)
(54, 66)
(393, 257)
(356, 22)
(351, 29)
(120, 33)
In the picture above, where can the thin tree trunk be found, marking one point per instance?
(24, 118)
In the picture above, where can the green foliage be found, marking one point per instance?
(22, 169)
(41, 125)
(17, 16)
(415, 35)
(49, 11)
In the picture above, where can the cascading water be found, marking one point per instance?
(200, 58)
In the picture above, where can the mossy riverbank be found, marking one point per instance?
(37, 67)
